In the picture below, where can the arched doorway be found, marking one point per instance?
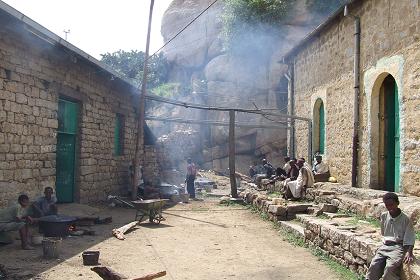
(389, 136)
(318, 141)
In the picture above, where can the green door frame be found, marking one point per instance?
(66, 149)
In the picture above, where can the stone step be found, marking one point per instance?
(293, 227)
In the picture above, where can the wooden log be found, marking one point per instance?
(109, 274)
(151, 276)
(119, 232)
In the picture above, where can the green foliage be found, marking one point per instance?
(169, 90)
(130, 65)
(166, 90)
(418, 235)
(252, 26)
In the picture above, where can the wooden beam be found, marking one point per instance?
(119, 232)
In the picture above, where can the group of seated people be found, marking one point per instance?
(19, 216)
(297, 175)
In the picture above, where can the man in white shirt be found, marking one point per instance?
(398, 242)
(321, 170)
(320, 167)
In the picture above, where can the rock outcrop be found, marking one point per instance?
(221, 78)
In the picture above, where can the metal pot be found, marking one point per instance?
(55, 225)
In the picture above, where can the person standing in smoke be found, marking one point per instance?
(191, 173)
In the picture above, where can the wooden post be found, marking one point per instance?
(233, 191)
(141, 119)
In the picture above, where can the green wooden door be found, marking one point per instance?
(396, 140)
(392, 141)
(66, 150)
(321, 129)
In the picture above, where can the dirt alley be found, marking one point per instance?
(200, 240)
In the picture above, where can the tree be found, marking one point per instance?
(130, 65)
(251, 27)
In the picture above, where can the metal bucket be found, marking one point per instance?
(51, 247)
(90, 257)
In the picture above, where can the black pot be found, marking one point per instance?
(55, 225)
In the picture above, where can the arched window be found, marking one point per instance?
(318, 141)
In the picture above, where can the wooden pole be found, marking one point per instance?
(141, 121)
(233, 191)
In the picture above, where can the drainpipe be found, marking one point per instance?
(356, 73)
(290, 77)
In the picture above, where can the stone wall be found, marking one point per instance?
(324, 69)
(33, 75)
(151, 169)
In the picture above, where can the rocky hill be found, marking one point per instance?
(222, 78)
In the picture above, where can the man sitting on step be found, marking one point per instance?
(16, 218)
(398, 242)
(321, 170)
(296, 189)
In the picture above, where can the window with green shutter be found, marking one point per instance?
(119, 135)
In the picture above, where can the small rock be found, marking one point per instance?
(325, 207)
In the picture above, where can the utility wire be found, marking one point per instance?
(215, 122)
(217, 108)
(185, 27)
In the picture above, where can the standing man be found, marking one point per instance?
(398, 242)
(191, 173)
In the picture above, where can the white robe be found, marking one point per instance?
(305, 178)
(321, 168)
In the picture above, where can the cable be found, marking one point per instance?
(185, 27)
(216, 108)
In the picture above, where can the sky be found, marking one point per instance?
(98, 26)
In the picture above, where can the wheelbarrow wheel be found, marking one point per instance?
(156, 221)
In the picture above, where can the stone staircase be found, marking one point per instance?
(336, 234)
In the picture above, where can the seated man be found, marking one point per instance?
(16, 218)
(46, 205)
(296, 189)
(268, 167)
(321, 170)
(398, 242)
(282, 172)
(252, 171)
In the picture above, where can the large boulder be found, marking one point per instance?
(199, 42)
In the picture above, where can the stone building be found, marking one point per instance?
(66, 120)
(388, 153)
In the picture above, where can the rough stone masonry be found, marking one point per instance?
(34, 74)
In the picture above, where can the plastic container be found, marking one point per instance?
(90, 257)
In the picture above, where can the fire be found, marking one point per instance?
(72, 228)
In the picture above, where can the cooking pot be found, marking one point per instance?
(55, 225)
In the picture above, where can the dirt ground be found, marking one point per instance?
(200, 240)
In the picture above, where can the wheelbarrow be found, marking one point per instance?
(151, 208)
